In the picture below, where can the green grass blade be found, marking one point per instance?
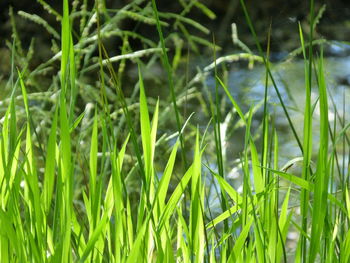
(145, 132)
(165, 180)
(240, 242)
(322, 172)
(49, 175)
(94, 237)
(93, 193)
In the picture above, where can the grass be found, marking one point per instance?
(107, 184)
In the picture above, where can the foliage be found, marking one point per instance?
(107, 185)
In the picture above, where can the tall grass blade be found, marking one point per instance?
(322, 171)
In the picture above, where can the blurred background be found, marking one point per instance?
(283, 16)
(247, 83)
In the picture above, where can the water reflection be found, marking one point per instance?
(248, 87)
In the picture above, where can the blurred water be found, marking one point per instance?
(247, 86)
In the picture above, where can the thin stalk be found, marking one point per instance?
(168, 68)
(261, 53)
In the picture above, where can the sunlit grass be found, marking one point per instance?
(94, 191)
